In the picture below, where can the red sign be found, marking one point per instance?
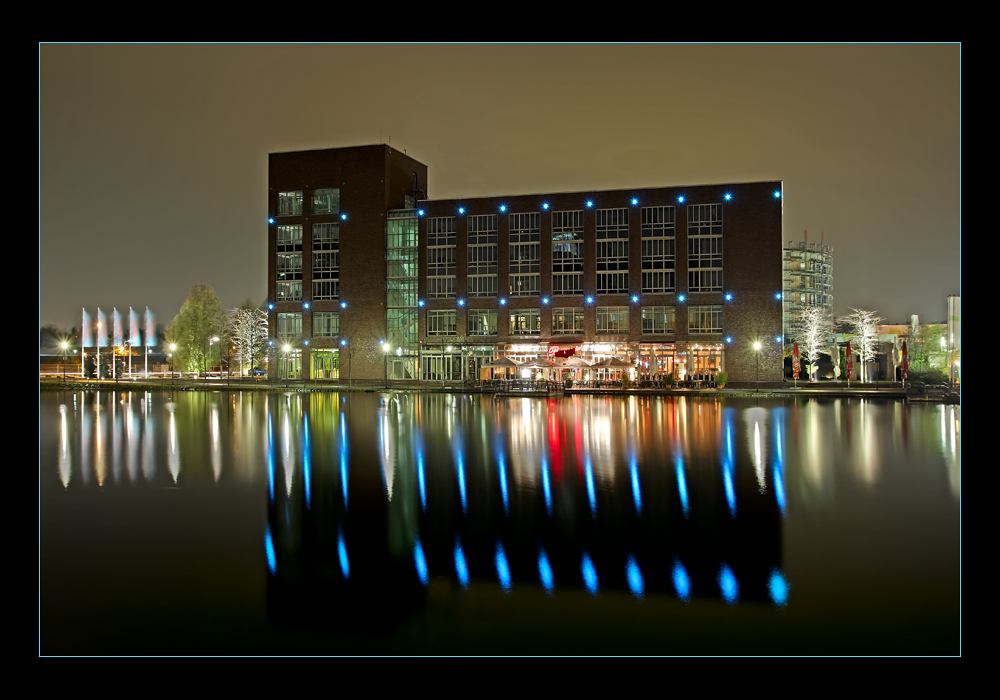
(796, 365)
(556, 351)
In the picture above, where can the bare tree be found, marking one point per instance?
(247, 330)
(814, 330)
(864, 325)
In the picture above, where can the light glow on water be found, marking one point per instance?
(545, 572)
(589, 574)
(777, 586)
(682, 583)
(503, 568)
(727, 584)
(634, 576)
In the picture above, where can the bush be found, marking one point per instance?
(927, 376)
(721, 378)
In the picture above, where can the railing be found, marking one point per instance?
(526, 385)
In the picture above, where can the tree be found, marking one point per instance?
(814, 330)
(864, 325)
(246, 328)
(199, 320)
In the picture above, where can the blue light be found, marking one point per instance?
(545, 205)
(503, 483)
(635, 298)
(461, 210)
(420, 212)
(681, 298)
(503, 208)
(590, 300)
(545, 300)
(777, 194)
(503, 302)
(343, 342)
(420, 303)
(461, 302)
(270, 221)
(682, 582)
(503, 569)
(546, 487)
(777, 338)
(682, 489)
(272, 562)
(681, 199)
(342, 551)
(305, 342)
(635, 582)
(589, 574)
(727, 196)
(461, 568)
(270, 306)
(777, 295)
(420, 561)
(777, 586)
(635, 200)
(636, 491)
(343, 217)
(305, 305)
(729, 338)
(343, 304)
(590, 203)
(591, 494)
(729, 297)
(545, 572)
(728, 585)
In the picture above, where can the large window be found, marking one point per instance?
(658, 255)
(288, 291)
(482, 322)
(567, 252)
(612, 320)
(567, 321)
(658, 320)
(326, 236)
(482, 252)
(704, 319)
(326, 290)
(705, 248)
(289, 326)
(290, 238)
(290, 203)
(525, 321)
(326, 201)
(326, 324)
(441, 323)
(441, 263)
(612, 251)
(289, 266)
(525, 254)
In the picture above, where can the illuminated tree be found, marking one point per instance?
(814, 330)
(199, 320)
(246, 329)
(864, 325)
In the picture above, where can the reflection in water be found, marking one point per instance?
(648, 496)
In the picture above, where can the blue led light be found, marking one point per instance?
(777, 295)
(305, 305)
(729, 338)
(270, 221)
(305, 342)
(342, 552)
(634, 576)
(545, 300)
(777, 194)
(503, 208)
(503, 302)
(270, 306)
(590, 300)
(420, 561)
(727, 196)
(635, 298)
(590, 202)
(461, 568)
(343, 342)
(545, 572)
(461, 210)
(681, 199)
(777, 338)
(343, 217)
(635, 200)
(729, 297)
(420, 303)
(589, 574)
(503, 569)
(545, 205)
(461, 302)
(681, 297)
(272, 562)
(343, 304)
(420, 212)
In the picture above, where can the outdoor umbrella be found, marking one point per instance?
(850, 363)
(796, 365)
(906, 361)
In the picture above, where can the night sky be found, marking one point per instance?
(153, 158)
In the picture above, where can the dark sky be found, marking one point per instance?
(153, 158)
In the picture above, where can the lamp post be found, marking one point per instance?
(170, 359)
(385, 354)
(64, 345)
(756, 354)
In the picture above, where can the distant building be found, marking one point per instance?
(368, 277)
(806, 280)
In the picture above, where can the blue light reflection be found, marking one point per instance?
(682, 582)
(634, 576)
(589, 574)
(727, 584)
(777, 586)
(545, 572)
(503, 569)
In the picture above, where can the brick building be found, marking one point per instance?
(369, 277)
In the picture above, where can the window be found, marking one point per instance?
(288, 291)
(290, 203)
(658, 320)
(612, 320)
(326, 324)
(290, 238)
(482, 254)
(482, 322)
(567, 252)
(567, 321)
(705, 248)
(289, 325)
(326, 236)
(326, 290)
(704, 319)
(658, 256)
(326, 265)
(525, 254)
(441, 259)
(326, 201)
(441, 323)
(525, 321)
(612, 251)
(289, 266)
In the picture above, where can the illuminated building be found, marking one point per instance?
(368, 273)
(807, 280)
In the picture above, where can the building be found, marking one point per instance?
(369, 278)
(807, 280)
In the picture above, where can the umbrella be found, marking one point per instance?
(850, 363)
(906, 361)
(796, 365)
(501, 363)
(612, 363)
(575, 362)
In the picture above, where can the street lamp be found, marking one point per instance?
(756, 353)
(385, 350)
(210, 342)
(170, 359)
(64, 345)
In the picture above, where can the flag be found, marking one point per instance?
(150, 328)
(119, 337)
(850, 360)
(86, 332)
(796, 365)
(102, 329)
(133, 328)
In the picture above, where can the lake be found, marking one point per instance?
(425, 523)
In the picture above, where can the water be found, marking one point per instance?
(394, 523)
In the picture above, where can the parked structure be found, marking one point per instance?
(367, 277)
(807, 280)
